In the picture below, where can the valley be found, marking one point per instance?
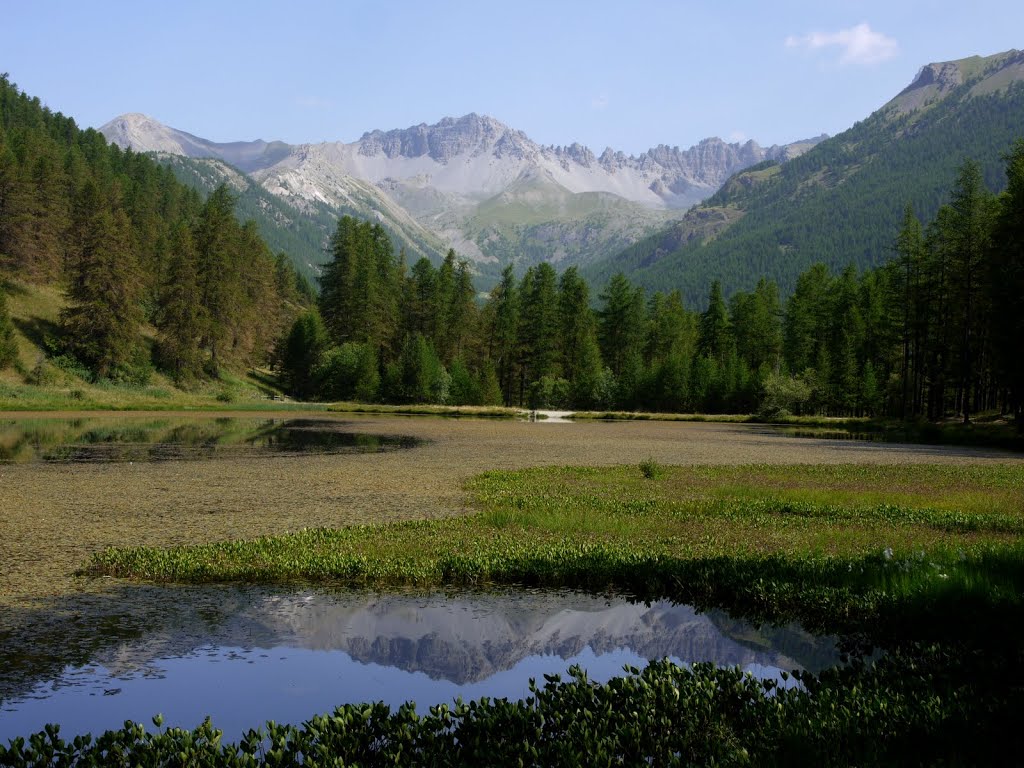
(460, 444)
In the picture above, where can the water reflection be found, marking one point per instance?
(175, 438)
(248, 655)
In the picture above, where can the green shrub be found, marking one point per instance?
(651, 469)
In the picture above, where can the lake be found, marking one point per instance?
(131, 439)
(245, 655)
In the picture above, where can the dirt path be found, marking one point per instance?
(52, 517)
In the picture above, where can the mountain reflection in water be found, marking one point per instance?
(288, 657)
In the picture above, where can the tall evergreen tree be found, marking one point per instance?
(621, 324)
(1006, 284)
(538, 326)
(502, 322)
(216, 244)
(103, 317)
(908, 294)
(180, 320)
(8, 345)
(713, 329)
(756, 325)
(301, 354)
(806, 316)
(338, 279)
(969, 234)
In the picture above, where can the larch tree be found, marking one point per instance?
(1007, 284)
(102, 320)
(968, 232)
(180, 320)
(8, 345)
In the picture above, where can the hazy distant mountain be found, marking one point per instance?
(475, 184)
(841, 202)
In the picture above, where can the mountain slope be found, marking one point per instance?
(475, 184)
(303, 236)
(841, 202)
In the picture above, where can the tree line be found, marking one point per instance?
(935, 331)
(137, 254)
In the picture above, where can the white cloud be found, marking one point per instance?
(859, 44)
(599, 102)
(737, 136)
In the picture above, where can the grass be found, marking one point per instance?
(38, 381)
(926, 561)
(474, 411)
(539, 523)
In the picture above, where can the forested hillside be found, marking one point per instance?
(840, 202)
(934, 332)
(151, 275)
(301, 230)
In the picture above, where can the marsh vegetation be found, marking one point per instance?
(913, 550)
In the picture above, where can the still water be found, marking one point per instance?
(131, 439)
(248, 655)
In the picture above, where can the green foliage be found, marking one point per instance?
(300, 358)
(347, 372)
(784, 395)
(103, 317)
(180, 318)
(132, 246)
(1006, 276)
(8, 346)
(651, 469)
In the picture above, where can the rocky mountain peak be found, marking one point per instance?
(470, 134)
(936, 81)
(136, 130)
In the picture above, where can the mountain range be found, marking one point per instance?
(469, 183)
(667, 218)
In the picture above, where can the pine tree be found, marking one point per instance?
(462, 314)
(180, 320)
(577, 330)
(301, 354)
(1006, 284)
(713, 330)
(969, 231)
(806, 319)
(672, 330)
(538, 326)
(216, 242)
(12, 205)
(103, 317)
(337, 280)
(8, 345)
(908, 295)
(502, 322)
(621, 323)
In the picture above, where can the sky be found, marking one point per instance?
(629, 75)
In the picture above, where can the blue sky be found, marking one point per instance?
(628, 75)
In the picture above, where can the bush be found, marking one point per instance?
(227, 395)
(784, 395)
(651, 469)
